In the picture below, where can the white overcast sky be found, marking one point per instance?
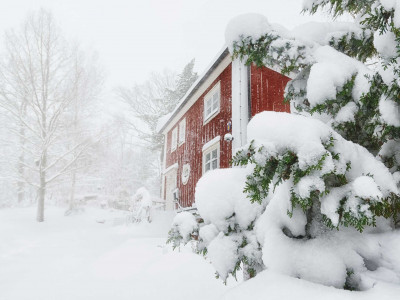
(134, 37)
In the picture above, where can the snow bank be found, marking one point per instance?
(277, 287)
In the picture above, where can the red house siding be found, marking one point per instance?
(267, 90)
(198, 134)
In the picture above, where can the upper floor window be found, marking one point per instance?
(212, 102)
(211, 156)
(182, 131)
(174, 139)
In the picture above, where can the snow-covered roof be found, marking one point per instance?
(163, 122)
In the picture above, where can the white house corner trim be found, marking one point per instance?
(240, 104)
(164, 164)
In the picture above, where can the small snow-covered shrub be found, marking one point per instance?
(227, 237)
(184, 226)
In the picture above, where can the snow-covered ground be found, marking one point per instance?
(76, 257)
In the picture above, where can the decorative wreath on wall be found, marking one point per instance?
(185, 173)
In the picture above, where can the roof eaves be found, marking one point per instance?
(196, 86)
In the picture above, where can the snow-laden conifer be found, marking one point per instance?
(318, 188)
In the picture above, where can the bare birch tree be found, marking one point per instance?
(87, 85)
(39, 82)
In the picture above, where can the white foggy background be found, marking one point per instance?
(134, 38)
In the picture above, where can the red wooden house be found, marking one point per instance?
(198, 134)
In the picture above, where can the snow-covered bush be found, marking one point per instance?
(227, 237)
(184, 226)
(142, 205)
(333, 181)
(312, 181)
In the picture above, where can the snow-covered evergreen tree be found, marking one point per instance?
(317, 183)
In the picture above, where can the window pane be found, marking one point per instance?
(174, 138)
(208, 103)
(207, 167)
(182, 127)
(207, 157)
(216, 97)
(215, 107)
(215, 101)
(214, 164)
(214, 153)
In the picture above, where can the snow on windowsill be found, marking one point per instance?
(210, 143)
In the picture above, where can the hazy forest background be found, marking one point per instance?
(61, 144)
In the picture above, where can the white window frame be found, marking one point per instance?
(174, 139)
(214, 109)
(182, 132)
(209, 150)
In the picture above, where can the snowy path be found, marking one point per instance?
(77, 258)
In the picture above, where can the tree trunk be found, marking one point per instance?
(21, 160)
(21, 183)
(315, 225)
(42, 195)
(20, 189)
(72, 196)
(42, 167)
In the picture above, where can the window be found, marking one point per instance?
(174, 139)
(211, 158)
(182, 131)
(211, 102)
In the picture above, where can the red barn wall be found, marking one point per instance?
(267, 90)
(198, 134)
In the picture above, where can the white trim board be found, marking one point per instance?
(211, 142)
